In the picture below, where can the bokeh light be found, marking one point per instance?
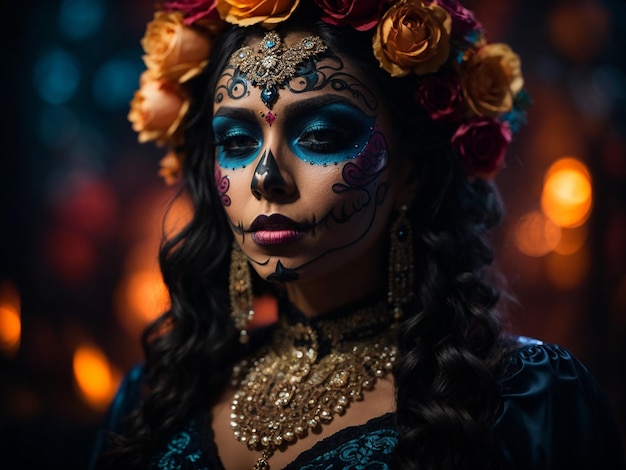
(56, 76)
(96, 379)
(579, 29)
(177, 216)
(567, 196)
(536, 235)
(79, 19)
(10, 319)
(116, 80)
(572, 240)
(141, 297)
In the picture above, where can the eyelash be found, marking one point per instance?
(236, 145)
(331, 141)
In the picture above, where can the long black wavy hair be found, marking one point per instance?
(446, 378)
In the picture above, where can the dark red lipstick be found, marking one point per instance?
(276, 229)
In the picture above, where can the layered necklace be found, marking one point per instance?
(311, 371)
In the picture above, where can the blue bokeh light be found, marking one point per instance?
(56, 76)
(79, 19)
(115, 82)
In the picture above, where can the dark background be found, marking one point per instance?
(81, 202)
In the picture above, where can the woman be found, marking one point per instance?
(338, 156)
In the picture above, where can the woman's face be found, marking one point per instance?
(306, 185)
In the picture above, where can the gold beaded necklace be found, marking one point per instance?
(311, 371)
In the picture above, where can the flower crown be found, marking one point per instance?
(479, 95)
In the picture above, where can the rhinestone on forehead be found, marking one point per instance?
(273, 63)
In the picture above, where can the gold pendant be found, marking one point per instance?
(262, 463)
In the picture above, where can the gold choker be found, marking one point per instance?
(311, 371)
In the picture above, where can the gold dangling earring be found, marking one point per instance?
(240, 289)
(401, 276)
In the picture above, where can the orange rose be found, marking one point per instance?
(170, 168)
(173, 50)
(412, 38)
(491, 78)
(249, 12)
(156, 109)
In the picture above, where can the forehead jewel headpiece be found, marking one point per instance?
(469, 86)
(274, 63)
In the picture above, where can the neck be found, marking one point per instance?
(323, 294)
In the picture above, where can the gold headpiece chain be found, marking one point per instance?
(273, 63)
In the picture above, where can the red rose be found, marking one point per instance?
(463, 20)
(442, 98)
(194, 10)
(361, 15)
(482, 144)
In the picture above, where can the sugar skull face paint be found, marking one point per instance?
(310, 195)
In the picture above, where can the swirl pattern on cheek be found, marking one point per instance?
(222, 184)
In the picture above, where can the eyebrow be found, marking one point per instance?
(316, 102)
(296, 108)
(235, 112)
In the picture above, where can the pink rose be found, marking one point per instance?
(442, 98)
(361, 15)
(482, 144)
(463, 20)
(194, 10)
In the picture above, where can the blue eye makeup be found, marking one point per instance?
(237, 142)
(331, 134)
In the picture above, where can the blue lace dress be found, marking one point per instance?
(554, 416)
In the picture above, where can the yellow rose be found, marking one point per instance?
(171, 168)
(156, 109)
(412, 38)
(491, 78)
(173, 50)
(249, 12)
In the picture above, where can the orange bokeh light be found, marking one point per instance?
(572, 240)
(536, 235)
(567, 194)
(10, 319)
(142, 296)
(96, 379)
(177, 216)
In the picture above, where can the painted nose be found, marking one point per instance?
(268, 182)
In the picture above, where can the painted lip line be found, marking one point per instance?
(276, 229)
